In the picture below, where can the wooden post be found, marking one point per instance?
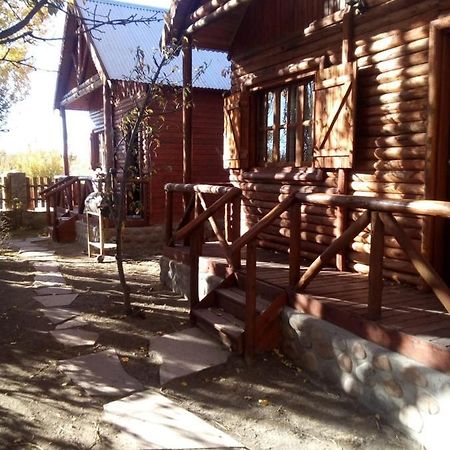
(62, 112)
(250, 297)
(294, 244)
(235, 231)
(347, 38)
(376, 268)
(342, 216)
(169, 217)
(187, 110)
(108, 132)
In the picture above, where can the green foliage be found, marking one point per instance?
(36, 163)
(22, 23)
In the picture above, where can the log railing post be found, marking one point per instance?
(250, 297)
(376, 267)
(294, 243)
(169, 218)
(235, 231)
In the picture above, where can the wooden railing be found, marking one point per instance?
(66, 194)
(2, 192)
(35, 186)
(196, 214)
(379, 213)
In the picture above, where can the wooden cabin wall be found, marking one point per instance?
(166, 160)
(391, 42)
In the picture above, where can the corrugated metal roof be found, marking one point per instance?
(118, 45)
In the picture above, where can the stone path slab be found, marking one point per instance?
(55, 300)
(152, 421)
(52, 290)
(100, 374)
(58, 315)
(50, 278)
(46, 266)
(75, 337)
(72, 323)
(43, 255)
(186, 352)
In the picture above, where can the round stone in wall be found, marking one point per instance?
(382, 362)
(351, 385)
(345, 362)
(414, 376)
(411, 417)
(309, 362)
(358, 351)
(428, 404)
(392, 388)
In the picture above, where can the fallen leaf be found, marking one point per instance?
(124, 359)
(184, 383)
(263, 402)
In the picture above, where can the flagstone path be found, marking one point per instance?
(146, 419)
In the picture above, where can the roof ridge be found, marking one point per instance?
(124, 4)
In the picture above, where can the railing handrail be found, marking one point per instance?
(229, 195)
(202, 188)
(58, 186)
(435, 208)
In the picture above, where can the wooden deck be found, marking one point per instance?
(413, 323)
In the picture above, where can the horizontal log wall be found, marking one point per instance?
(391, 41)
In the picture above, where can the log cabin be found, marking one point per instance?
(337, 147)
(109, 54)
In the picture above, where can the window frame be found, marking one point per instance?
(294, 157)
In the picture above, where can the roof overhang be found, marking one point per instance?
(195, 19)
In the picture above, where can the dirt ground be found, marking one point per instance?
(268, 404)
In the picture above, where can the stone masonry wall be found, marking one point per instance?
(406, 394)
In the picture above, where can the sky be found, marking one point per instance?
(33, 124)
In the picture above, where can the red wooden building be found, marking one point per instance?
(107, 56)
(337, 144)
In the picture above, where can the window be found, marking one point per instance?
(285, 124)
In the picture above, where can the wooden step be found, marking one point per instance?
(232, 300)
(219, 323)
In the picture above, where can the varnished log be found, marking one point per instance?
(394, 165)
(371, 45)
(294, 244)
(388, 252)
(267, 219)
(393, 108)
(367, 79)
(396, 52)
(201, 218)
(392, 130)
(395, 97)
(402, 140)
(390, 274)
(398, 176)
(390, 188)
(392, 153)
(395, 118)
(420, 207)
(400, 63)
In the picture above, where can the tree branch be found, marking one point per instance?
(12, 30)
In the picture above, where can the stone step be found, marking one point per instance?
(226, 327)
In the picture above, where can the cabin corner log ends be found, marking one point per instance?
(379, 214)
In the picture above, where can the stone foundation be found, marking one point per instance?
(137, 241)
(175, 276)
(406, 394)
